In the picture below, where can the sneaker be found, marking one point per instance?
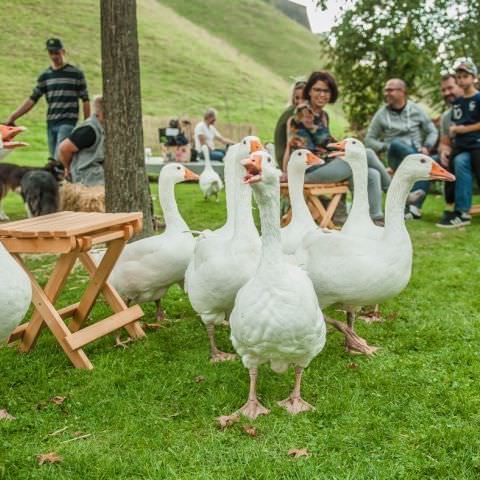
(453, 220)
(379, 222)
(466, 216)
(412, 213)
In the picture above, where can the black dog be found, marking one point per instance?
(11, 180)
(39, 190)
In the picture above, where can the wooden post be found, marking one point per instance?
(126, 183)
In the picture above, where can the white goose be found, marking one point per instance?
(352, 270)
(223, 260)
(276, 317)
(302, 220)
(210, 181)
(15, 294)
(148, 267)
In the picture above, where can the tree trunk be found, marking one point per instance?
(126, 183)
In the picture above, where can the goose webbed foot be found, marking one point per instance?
(253, 408)
(354, 344)
(371, 316)
(219, 356)
(294, 403)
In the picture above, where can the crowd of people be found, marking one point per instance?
(398, 128)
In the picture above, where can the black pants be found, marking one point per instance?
(475, 161)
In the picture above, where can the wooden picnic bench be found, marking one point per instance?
(323, 216)
(71, 235)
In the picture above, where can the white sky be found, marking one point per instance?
(322, 21)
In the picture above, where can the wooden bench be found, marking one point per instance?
(71, 235)
(323, 216)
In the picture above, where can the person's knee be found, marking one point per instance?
(374, 179)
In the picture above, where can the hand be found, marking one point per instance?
(454, 129)
(283, 178)
(445, 158)
(424, 150)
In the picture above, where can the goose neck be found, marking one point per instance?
(171, 214)
(300, 210)
(360, 205)
(268, 200)
(395, 206)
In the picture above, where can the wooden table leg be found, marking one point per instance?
(97, 281)
(52, 290)
(52, 318)
(111, 296)
(327, 221)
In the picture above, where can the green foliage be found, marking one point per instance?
(415, 40)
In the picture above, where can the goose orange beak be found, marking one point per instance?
(255, 146)
(189, 175)
(12, 145)
(439, 173)
(338, 147)
(253, 166)
(9, 132)
(314, 160)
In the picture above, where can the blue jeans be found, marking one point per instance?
(396, 152)
(56, 133)
(217, 154)
(462, 169)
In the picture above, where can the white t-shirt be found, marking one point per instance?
(209, 131)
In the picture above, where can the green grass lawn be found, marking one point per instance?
(410, 412)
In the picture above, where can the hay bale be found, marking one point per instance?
(75, 197)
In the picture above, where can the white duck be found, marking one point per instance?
(352, 270)
(302, 220)
(15, 294)
(148, 267)
(276, 317)
(210, 181)
(223, 260)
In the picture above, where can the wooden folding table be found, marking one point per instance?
(71, 235)
(323, 216)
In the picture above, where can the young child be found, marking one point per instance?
(466, 131)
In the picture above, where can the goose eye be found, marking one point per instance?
(244, 142)
(422, 160)
(179, 168)
(269, 160)
(299, 154)
(354, 143)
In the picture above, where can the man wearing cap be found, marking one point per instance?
(465, 132)
(62, 84)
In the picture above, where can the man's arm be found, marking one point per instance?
(86, 109)
(202, 139)
(66, 150)
(475, 127)
(25, 107)
(374, 134)
(445, 150)
(224, 140)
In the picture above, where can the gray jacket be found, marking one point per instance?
(410, 125)
(87, 164)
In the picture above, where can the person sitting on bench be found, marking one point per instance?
(206, 134)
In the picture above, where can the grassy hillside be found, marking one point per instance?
(236, 59)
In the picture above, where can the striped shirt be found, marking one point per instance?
(62, 89)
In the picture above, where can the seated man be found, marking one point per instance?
(206, 134)
(82, 151)
(400, 128)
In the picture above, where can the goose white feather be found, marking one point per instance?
(276, 317)
(148, 267)
(353, 270)
(210, 181)
(15, 294)
(226, 258)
